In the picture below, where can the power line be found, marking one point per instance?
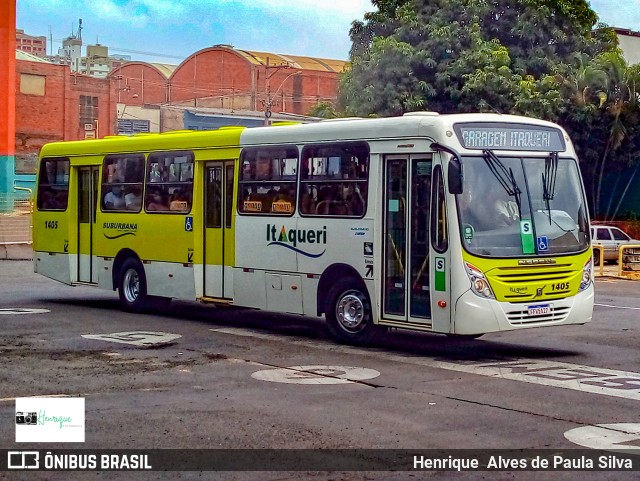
(140, 52)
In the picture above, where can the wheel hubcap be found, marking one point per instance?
(350, 311)
(131, 285)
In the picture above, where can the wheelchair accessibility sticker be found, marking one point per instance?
(188, 223)
(543, 243)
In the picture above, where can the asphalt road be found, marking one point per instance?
(222, 383)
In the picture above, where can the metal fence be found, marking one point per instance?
(15, 217)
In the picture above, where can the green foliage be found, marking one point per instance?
(324, 110)
(462, 55)
(539, 58)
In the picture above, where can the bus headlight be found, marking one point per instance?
(479, 283)
(587, 276)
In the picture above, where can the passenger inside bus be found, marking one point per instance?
(179, 201)
(114, 199)
(157, 200)
(133, 200)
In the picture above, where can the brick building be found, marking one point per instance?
(52, 103)
(214, 86)
(227, 80)
(28, 43)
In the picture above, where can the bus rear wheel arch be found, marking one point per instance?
(349, 314)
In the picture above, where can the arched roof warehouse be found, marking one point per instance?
(224, 77)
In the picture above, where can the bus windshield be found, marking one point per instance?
(522, 206)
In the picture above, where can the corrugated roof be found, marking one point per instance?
(20, 55)
(166, 68)
(294, 61)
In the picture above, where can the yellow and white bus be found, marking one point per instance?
(461, 224)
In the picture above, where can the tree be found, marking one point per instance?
(602, 116)
(324, 110)
(463, 55)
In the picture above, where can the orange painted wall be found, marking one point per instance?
(7, 76)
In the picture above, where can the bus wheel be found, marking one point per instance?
(349, 314)
(132, 287)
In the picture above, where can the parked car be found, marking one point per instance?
(610, 238)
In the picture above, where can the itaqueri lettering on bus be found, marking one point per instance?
(294, 239)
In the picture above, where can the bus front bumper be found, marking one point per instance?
(474, 315)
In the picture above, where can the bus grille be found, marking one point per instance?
(518, 275)
(522, 317)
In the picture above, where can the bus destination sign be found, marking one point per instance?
(496, 136)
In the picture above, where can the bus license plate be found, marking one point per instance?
(539, 309)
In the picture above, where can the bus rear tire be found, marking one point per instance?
(132, 286)
(348, 314)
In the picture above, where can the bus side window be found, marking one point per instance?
(53, 184)
(169, 182)
(267, 182)
(439, 237)
(122, 183)
(334, 179)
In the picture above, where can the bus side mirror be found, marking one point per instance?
(454, 176)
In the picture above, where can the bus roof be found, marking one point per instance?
(173, 140)
(423, 125)
(410, 125)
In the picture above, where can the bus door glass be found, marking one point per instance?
(406, 289)
(87, 205)
(219, 230)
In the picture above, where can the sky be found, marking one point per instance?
(168, 31)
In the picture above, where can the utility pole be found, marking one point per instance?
(7, 101)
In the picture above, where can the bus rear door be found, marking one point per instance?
(87, 206)
(219, 250)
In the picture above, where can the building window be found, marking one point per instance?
(32, 84)
(88, 110)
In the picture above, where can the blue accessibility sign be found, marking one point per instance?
(188, 223)
(543, 243)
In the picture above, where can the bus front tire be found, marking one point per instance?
(132, 286)
(348, 314)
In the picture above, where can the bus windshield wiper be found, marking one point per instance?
(505, 177)
(549, 180)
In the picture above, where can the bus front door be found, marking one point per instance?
(407, 197)
(87, 205)
(219, 245)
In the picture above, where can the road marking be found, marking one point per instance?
(620, 437)
(617, 307)
(9, 399)
(22, 310)
(316, 374)
(577, 377)
(136, 338)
